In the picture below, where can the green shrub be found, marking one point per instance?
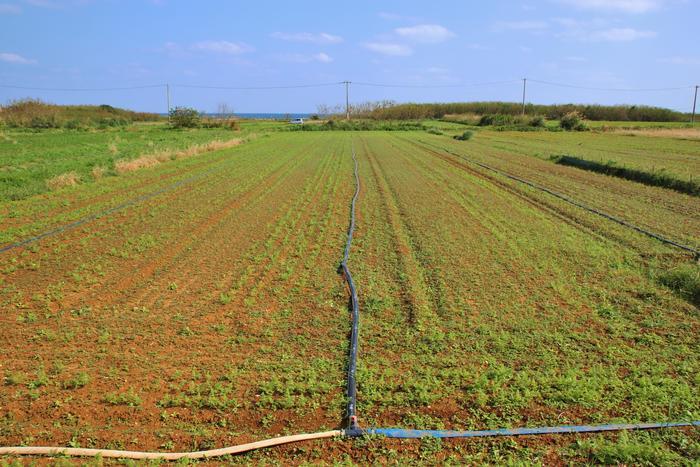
(434, 131)
(537, 121)
(572, 121)
(184, 117)
(466, 136)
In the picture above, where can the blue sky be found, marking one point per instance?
(111, 43)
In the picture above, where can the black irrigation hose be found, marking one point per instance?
(585, 207)
(119, 207)
(352, 357)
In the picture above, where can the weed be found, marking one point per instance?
(77, 382)
(129, 397)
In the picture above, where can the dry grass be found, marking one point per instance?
(113, 147)
(98, 172)
(63, 180)
(678, 133)
(150, 160)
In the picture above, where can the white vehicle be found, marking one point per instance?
(297, 121)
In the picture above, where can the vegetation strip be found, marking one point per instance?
(660, 179)
(623, 222)
(352, 363)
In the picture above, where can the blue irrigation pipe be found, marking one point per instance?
(351, 412)
(545, 430)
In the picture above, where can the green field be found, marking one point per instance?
(201, 305)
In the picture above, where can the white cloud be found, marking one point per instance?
(521, 25)
(426, 33)
(222, 47)
(316, 38)
(387, 48)
(9, 9)
(302, 58)
(15, 58)
(624, 6)
(693, 61)
(620, 35)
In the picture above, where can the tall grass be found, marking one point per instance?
(659, 178)
(413, 111)
(33, 113)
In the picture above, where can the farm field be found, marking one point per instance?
(201, 305)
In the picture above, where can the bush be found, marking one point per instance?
(184, 117)
(572, 121)
(537, 121)
(466, 136)
(434, 131)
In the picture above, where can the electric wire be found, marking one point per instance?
(591, 88)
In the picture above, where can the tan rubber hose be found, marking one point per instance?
(56, 451)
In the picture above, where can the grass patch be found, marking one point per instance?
(685, 281)
(658, 178)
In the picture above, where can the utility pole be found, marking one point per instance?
(524, 86)
(695, 100)
(347, 100)
(167, 95)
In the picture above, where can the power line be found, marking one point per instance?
(253, 88)
(563, 85)
(125, 88)
(421, 86)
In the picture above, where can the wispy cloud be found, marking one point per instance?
(677, 60)
(303, 58)
(621, 35)
(599, 30)
(425, 33)
(388, 48)
(316, 38)
(624, 6)
(222, 47)
(521, 25)
(9, 57)
(9, 9)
